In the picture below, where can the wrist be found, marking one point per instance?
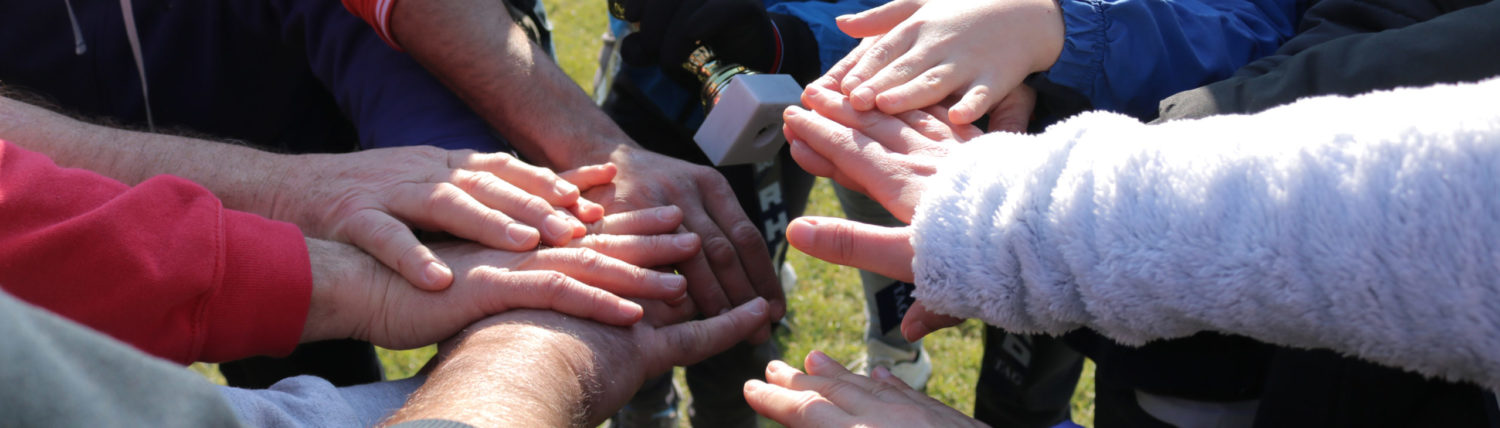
(336, 269)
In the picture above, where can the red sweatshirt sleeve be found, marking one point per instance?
(162, 265)
(378, 14)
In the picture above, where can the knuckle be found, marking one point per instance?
(745, 235)
(719, 251)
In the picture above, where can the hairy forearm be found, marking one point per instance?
(237, 175)
(505, 374)
(475, 49)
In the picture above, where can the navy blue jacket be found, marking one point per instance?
(291, 75)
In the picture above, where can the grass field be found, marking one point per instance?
(826, 307)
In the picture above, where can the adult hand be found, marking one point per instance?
(355, 297)
(738, 31)
(828, 395)
(372, 198)
(542, 368)
(734, 265)
(885, 157)
(931, 50)
(883, 250)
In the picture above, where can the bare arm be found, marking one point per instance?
(539, 368)
(367, 199)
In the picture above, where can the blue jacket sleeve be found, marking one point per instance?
(391, 99)
(1127, 55)
(833, 44)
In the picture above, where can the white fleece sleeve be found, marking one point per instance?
(1367, 225)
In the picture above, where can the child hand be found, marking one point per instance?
(927, 51)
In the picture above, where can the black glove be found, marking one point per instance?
(738, 31)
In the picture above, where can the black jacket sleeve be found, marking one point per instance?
(1348, 47)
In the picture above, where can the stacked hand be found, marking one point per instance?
(371, 199)
(919, 53)
(829, 395)
(885, 157)
(734, 265)
(355, 297)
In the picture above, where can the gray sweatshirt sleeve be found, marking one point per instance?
(307, 401)
(1367, 225)
(58, 373)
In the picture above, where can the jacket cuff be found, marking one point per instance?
(265, 290)
(1084, 41)
(377, 13)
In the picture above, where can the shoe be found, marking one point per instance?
(912, 367)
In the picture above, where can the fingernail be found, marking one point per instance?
(800, 233)
(777, 365)
(557, 226)
(818, 360)
(686, 241)
(757, 307)
(880, 372)
(564, 188)
(629, 309)
(667, 213)
(791, 111)
(865, 96)
(519, 234)
(753, 385)
(672, 282)
(435, 272)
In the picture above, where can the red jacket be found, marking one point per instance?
(162, 265)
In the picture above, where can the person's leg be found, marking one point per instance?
(1026, 381)
(886, 301)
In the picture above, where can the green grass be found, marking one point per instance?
(827, 304)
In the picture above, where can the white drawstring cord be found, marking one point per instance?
(79, 47)
(140, 65)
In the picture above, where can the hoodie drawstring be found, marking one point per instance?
(140, 65)
(79, 47)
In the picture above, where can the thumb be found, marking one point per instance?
(878, 20)
(919, 322)
(883, 250)
(694, 341)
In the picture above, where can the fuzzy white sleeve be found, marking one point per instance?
(1368, 225)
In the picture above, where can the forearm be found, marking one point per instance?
(1368, 231)
(239, 176)
(505, 374)
(475, 49)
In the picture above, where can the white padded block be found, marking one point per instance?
(745, 125)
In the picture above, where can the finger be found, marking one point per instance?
(929, 126)
(751, 257)
(587, 178)
(794, 408)
(644, 250)
(694, 341)
(891, 46)
(906, 86)
(1013, 114)
(393, 243)
(878, 20)
(513, 202)
(880, 127)
(820, 365)
(853, 398)
(919, 322)
(961, 133)
(649, 221)
(810, 160)
(534, 180)
(499, 290)
(883, 250)
(834, 78)
(609, 274)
